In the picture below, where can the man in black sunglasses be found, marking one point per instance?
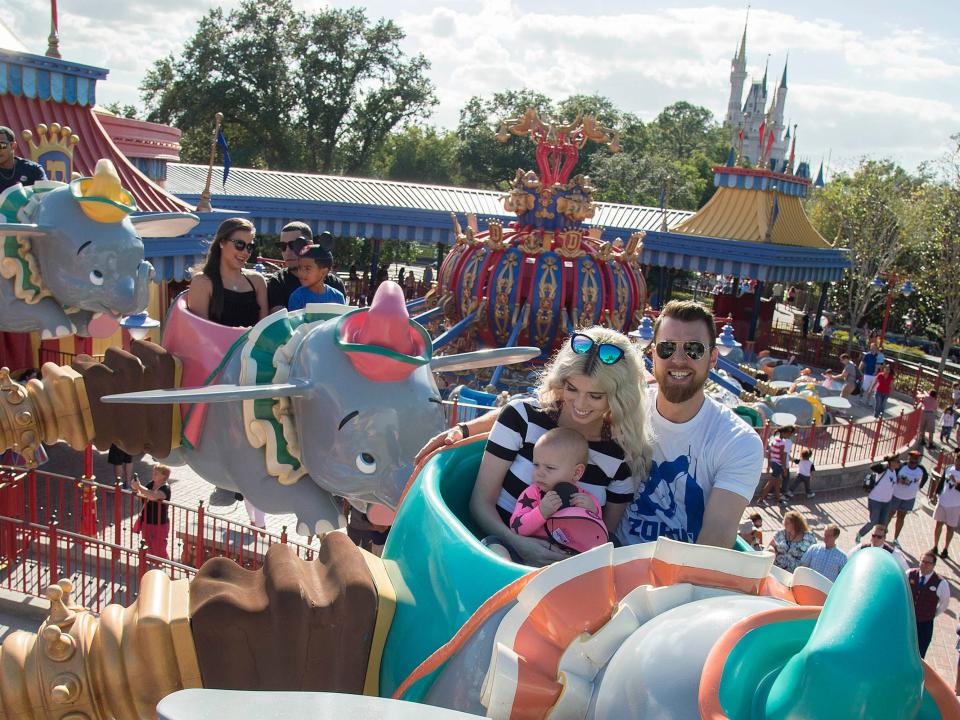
(15, 169)
(706, 460)
(294, 237)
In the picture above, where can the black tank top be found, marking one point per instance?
(240, 309)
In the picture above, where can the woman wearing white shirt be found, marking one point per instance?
(878, 501)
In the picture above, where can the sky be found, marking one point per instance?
(874, 79)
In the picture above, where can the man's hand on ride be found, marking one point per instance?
(549, 504)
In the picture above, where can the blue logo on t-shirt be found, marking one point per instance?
(669, 505)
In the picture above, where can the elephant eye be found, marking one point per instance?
(96, 277)
(366, 463)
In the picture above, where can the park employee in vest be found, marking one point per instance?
(931, 594)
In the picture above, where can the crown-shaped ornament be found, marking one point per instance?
(53, 149)
(553, 201)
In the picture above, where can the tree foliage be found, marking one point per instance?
(938, 252)
(316, 92)
(869, 213)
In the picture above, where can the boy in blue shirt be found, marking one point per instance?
(313, 266)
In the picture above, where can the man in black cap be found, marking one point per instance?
(15, 169)
(293, 238)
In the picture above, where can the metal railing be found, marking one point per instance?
(107, 514)
(33, 557)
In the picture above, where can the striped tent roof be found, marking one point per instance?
(377, 208)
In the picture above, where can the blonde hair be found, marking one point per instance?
(624, 383)
(163, 470)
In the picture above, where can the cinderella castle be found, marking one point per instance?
(757, 129)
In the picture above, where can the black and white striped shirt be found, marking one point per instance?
(520, 425)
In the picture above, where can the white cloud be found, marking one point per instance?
(868, 83)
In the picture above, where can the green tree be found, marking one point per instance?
(870, 213)
(484, 162)
(314, 92)
(674, 154)
(938, 253)
(125, 111)
(419, 154)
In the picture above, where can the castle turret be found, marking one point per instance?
(738, 74)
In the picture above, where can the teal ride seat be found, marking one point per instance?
(439, 569)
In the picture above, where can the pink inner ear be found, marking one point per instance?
(387, 322)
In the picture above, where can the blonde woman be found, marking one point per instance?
(594, 385)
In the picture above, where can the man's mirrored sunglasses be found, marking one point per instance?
(693, 349)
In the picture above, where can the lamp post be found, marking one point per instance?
(890, 280)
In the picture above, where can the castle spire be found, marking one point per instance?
(783, 80)
(741, 56)
(766, 69)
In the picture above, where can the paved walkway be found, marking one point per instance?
(848, 509)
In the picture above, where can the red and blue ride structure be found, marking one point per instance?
(541, 276)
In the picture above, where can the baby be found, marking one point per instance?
(552, 506)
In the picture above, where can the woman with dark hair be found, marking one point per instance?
(225, 291)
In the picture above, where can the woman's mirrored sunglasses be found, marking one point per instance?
(242, 246)
(693, 349)
(607, 354)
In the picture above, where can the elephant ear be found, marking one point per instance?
(164, 224)
(25, 230)
(212, 393)
(483, 358)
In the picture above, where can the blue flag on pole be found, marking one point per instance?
(222, 142)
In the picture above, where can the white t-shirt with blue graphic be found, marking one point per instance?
(714, 449)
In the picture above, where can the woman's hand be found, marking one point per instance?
(537, 552)
(582, 500)
(443, 439)
(549, 504)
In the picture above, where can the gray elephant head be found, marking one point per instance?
(92, 265)
(330, 396)
(80, 248)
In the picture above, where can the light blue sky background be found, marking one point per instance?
(866, 78)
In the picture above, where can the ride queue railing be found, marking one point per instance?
(106, 514)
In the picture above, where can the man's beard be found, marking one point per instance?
(679, 394)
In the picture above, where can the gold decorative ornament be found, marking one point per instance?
(44, 411)
(116, 666)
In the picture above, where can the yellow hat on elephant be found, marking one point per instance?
(101, 197)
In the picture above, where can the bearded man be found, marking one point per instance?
(706, 460)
